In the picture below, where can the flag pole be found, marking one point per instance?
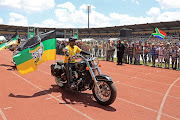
(149, 37)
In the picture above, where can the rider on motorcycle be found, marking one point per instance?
(72, 50)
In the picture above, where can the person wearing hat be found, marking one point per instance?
(72, 50)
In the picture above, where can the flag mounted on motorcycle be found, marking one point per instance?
(35, 51)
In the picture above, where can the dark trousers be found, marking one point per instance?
(119, 56)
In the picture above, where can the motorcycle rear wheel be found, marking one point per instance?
(108, 93)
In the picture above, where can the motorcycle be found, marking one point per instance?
(87, 75)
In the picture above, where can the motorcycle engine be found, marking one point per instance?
(80, 65)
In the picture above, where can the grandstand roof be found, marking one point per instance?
(173, 25)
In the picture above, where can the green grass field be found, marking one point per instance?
(141, 62)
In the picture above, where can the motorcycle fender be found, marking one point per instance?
(103, 77)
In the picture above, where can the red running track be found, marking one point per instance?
(143, 93)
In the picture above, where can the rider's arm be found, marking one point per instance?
(66, 53)
(84, 52)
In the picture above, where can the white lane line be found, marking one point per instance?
(2, 114)
(7, 108)
(59, 96)
(53, 96)
(147, 90)
(48, 98)
(147, 108)
(140, 78)
(138, 72)
(164, 99)
(44, 72)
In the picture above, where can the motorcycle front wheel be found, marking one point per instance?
(107, 94)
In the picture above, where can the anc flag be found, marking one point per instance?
(3, 46)
(13, 40)
(35, 51)
(159, 34)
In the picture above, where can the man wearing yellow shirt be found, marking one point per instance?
(72, 50)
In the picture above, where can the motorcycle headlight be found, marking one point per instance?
(95, 62)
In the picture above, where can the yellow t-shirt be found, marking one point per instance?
(75, 50)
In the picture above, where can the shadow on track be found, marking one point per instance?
(11, 67)
(69, 97)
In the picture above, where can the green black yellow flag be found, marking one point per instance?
(13, 40)
(35, 51)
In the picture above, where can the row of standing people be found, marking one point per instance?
(164, 53)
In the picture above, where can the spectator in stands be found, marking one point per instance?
(120, 52)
